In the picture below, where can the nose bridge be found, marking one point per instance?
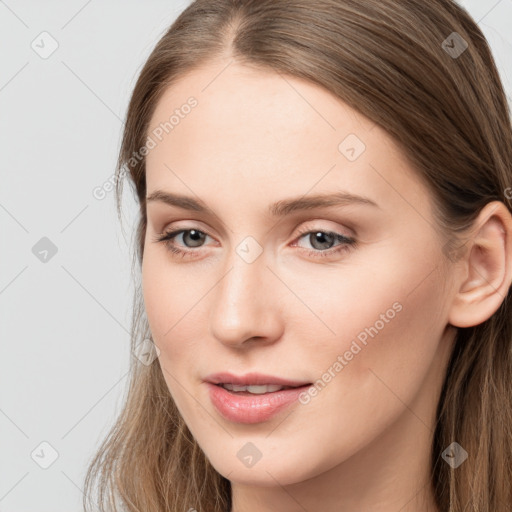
(243, 306)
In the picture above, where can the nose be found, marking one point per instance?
(246, 304)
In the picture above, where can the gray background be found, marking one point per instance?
(65, 321)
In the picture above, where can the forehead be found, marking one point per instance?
(237, 100)
(273, 132)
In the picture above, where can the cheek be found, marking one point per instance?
(166, 306)
(374, 364)
(176, 304)
(169, 314)
(387, 316)
(384, 365)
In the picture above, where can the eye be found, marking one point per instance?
(193, 236)
(321, 241)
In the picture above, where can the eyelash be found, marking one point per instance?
(346, 242)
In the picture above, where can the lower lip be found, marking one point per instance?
(253, 408)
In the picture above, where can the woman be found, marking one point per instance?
(325, 246)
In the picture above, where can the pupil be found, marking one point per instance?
(321, 236)
(196, 237)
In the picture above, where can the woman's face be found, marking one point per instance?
(351, 296)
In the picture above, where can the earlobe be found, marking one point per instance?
(488, 263)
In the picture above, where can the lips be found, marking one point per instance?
(253, 379)
(251, 408)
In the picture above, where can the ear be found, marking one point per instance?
(487, 277)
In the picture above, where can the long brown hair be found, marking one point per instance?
(403, 65)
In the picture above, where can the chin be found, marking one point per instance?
(285, 468)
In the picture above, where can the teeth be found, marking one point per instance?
(257, 390)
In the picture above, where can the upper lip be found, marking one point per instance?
(252, 379)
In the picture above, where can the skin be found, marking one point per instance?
(363, 443)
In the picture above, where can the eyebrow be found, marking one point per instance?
(277, 209)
